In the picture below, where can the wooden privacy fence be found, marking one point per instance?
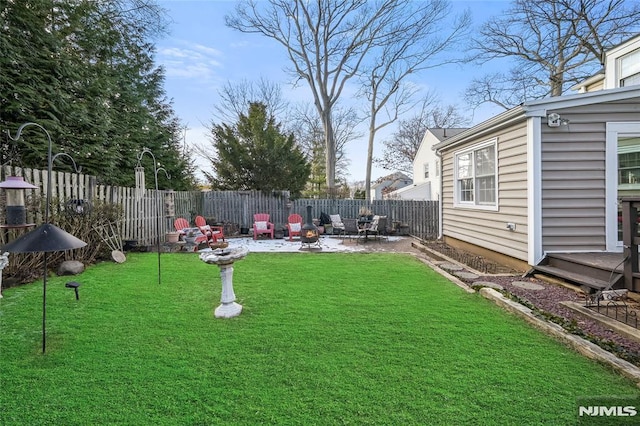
(421, 217)
(148, 215)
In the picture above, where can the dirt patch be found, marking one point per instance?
(384, 244)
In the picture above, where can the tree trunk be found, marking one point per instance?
(367, 180)
(330, 147)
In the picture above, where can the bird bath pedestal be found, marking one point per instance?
(224, 258)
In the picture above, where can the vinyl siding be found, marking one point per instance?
(488, 228)
(573, 177)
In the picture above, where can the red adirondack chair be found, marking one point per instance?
(294, 224)
(213, 233)
(261, 225)
(182, 226)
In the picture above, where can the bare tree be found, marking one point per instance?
(236, 97)
(505, 89)
(327, 42)
(307, 126)
(553, 44)
(401, 149)
(419, 34)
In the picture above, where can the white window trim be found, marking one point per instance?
(612, 67)
(619, 76)
(456, 193)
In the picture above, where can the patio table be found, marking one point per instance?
(365, 224)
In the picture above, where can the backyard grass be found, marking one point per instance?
(329, 338)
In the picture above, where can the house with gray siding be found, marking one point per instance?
(544, 177)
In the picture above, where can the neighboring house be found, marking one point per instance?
(426, 168)
(543, 177)
(389, 183)
(622, 65)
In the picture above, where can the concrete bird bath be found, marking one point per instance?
(224, 258)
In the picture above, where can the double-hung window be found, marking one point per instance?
(629, 69)
(476, 180)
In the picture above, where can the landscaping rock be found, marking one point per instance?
(489, 284)
(71, 267)
(527, 285)
(466, 275)
(450, 266)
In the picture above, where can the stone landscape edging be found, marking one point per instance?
(447, 275)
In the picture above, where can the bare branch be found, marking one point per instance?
(328, 42)
(557, 42)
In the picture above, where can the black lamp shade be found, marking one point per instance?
(45, 238)
(16, 182)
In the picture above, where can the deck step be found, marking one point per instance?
(581, 279)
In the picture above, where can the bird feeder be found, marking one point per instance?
(16, 211)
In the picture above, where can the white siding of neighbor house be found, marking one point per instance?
(489, 228)
(574, 178)
(426, 155)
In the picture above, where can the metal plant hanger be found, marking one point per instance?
(47, 237)
(140, 189)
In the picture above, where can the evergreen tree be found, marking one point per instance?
(85, 71)
(255, 154)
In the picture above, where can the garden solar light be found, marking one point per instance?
(74, 285)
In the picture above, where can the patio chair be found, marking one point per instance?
(294, 224)
(337, 223)
(184, 229)
(213, 233)
(182, 225)
(261, 225)
(378, 226)
(351, 228)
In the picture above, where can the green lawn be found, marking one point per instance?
(329, 338)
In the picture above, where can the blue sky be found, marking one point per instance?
(200, 55)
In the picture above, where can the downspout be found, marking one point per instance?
(441, 186)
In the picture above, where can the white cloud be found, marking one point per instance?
(190, 61)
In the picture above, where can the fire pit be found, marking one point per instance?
(309, 234)
(224, 258)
